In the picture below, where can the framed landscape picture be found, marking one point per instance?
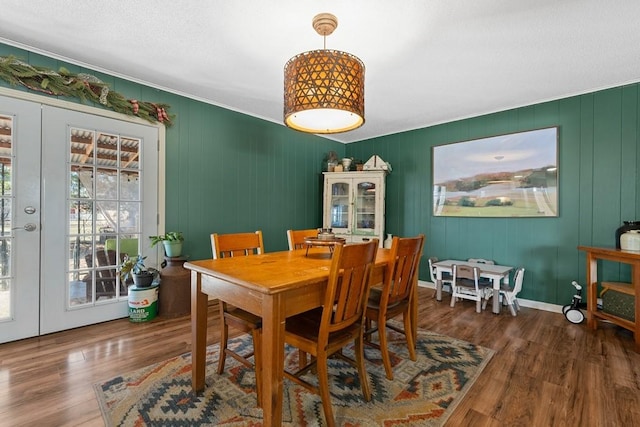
(512, 175)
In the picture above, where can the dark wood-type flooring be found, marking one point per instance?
(545, 372)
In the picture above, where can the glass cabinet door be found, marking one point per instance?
(365, 206)
(340, 205)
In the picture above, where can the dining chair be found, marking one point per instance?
(395, 297)
(324, 331)
(229, 245)
(296, 237)
(466, 285)
(446, 276)
(510, 293)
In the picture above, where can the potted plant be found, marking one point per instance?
(135, 269)
(172, 242)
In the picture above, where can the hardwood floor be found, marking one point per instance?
(545, 372)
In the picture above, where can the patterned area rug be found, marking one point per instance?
(423, 393)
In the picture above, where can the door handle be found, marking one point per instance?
(27, 227)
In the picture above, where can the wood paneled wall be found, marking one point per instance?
(599, 187)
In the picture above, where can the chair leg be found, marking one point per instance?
(382, 333)
(479, 305)
(323, 387)
(367, 327)
(257, 359)
(224, 336)
(485, 300)
(362, 371)
(408, 332)
(511, 303)
(453, 297)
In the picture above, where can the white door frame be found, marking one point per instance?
(103, 113)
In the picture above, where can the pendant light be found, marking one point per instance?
(324, 89)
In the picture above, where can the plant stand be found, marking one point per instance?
(175, 292)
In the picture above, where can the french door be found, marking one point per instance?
(20, 219)
(86, 194)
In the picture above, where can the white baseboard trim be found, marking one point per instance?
(554, 308)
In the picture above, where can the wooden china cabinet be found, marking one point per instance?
(354, 205)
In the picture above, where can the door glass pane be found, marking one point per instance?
(104, 214)
(130, 185)
(6, 155)
(106, 185)
(130, 153)
(366, 207)
(339, 205)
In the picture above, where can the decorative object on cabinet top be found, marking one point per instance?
(375, 162)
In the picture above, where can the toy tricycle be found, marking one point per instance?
(572, 311)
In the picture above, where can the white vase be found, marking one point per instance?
(630, 241)
(388, 241)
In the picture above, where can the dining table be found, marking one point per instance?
(274, 286)
(498, 274)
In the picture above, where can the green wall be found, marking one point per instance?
(228, 172)
(598, 178)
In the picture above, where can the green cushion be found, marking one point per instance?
(127, 246)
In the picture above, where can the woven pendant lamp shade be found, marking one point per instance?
(324, 91)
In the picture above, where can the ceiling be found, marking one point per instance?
(427, 61)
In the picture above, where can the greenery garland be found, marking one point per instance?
(81, 86)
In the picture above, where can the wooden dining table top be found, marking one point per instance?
(274, 272)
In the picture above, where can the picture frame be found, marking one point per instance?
(509, 175)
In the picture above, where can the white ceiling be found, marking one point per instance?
(427, 61)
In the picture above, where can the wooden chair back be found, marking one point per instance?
(296, 237)
(401, 272)
(232, 245)
(236, 244)
(347, 287)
